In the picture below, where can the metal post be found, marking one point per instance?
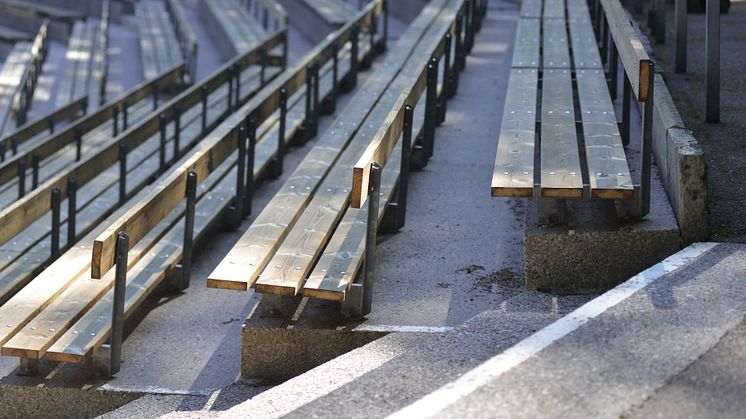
(371, 236)
(162, 148)
(385, 26)
(285, 51)
(680, 39)
(231, 75)
(712, 69)
(250, 153)
(115, 119)
(14, 145)
(204, 108)
(447, 72)
(122, 173)
(155, 96)
(354, 35)
(237, 98)
(117, 314)
(50, 124)
(646, 148)
(660, 21)
(78, 143)
(613, 69)
(280, 155)
(457, 55)
(460, 52)
(125, 114)
(177, 130)
(262, 65)
(72, 209)
(240, 175)
(430, 103)
(55, 247)
(406, 153)
(34, 171)
(2, 152)
(335, 78)
(308, 121)
(186, 258)
(316, 112)
(21, 178)
(469, 36)
(626, 105)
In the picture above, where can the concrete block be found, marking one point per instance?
(682, 165)
(596, 251)
(303, 335)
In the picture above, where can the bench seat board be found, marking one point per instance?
(554, 9)
(336, 12)
(531, 8)
(578, 9)
(584, 46)
(527, 44)
(514, 165)
(607, 162)
(561, 176)
(555, 45)
(631, 51)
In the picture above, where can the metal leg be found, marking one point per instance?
(28, 367)
(122, 173)
(240, 176)
(125, 114)
(626, 105)
(680, 40)
(316, 112)
(72, 209)
(204, 108)
(308, 122)
(231, 75)
(78, 144)
(250, 152)
(456, 69)
(237, 99)
(406, 153)
(117, 315)
(352, 75)
(177, 130)
(34, 171)
(55, 223)
(278, 160)
(14, 145)
(263, 66)
(162, 148)
(2, 152)
(646, 150)
(430, 104)
(186, 258)
(50, 124)
(21, 178)
(614, 70)
(155, 96)
(371, 237)
(115, 119)
(382, 45)
(712, 69)
(660, 24)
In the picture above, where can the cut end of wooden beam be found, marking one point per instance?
(359, 190)
(324, 294)
(98, 247)
(226, 284)
(66, 357)
(276, 289)
(20, 352)
(561, 193)
(512, 192)
(644, 78)
(613, 193)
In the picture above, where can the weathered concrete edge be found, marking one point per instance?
(32, 401)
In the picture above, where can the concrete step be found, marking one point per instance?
(668, 342)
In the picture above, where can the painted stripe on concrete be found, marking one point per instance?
(438, 400)
(392, 328)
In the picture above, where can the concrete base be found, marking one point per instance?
(596, 251)
(305, 334)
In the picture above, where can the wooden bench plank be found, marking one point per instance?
(527, 44)
(531, 8)
(607, 162)
(560, 162)
(555, 45)
(241, 267)
(514, 164)
(584, 45)
(554, 9)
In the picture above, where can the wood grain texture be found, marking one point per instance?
(527, 44)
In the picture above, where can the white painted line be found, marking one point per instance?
(443, 397)
(389, 328)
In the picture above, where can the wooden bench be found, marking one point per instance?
(185, 34)
(102, 181)
(29, 15)
(160, 247)
(18, 80)
(559, 97)
(309, 240)
(231, 25)
(157, 39)
(85, 62)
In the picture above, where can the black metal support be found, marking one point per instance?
(240, 176)
(276, 167)
(430, 106)
(50, 125)
(14, 145)
(316, 111)
(117, 315)
(646, 147)
(614, 70)
(383, 43)
(371, 237)
(285, 51)
(406, 153)
(155, 96)
(231, 77)
(177, 130)
(125, 114)
(162, 148)
(78, 143)
(626, 108)
(2, 152)
(204, 94)
(122, 173)
(262, 65)
(186, 258)
(331, 100)
(115, 119)
(72, 209)
(237, 97)
(250, 153)
(55, 246)
(447, 73)
(457, 55)
(308, 121)
(460, 48)
(34, 171)
(354, 38)
(21, 178)
(469, 27)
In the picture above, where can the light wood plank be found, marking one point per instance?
(607, 162)
(555, 45)
(560, 162)
(513, 174)
(527, 44)
(584, 46)
(554, 9)
(531, 8)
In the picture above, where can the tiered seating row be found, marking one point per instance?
(187, 39)
(157, 38)
(18, 79)
(231, 25)
(85, 62)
